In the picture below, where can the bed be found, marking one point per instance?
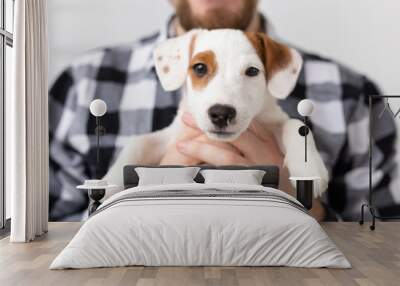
(201, 224)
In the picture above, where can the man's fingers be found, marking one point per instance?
(189, 132)
(248, 143)
(227, 146)
(210, 154)
(259, 131)
(189, 121)
(257, 149)
(174, 157)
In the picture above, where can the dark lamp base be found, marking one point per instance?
(95, 196)
(304, 192)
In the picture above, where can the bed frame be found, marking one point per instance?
(271, 177)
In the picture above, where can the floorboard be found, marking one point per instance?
(374, 255)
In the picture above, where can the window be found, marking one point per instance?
(6, 44)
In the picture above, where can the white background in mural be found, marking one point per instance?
(363, 34)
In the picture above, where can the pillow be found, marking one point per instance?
(248, 177)
(162, 176)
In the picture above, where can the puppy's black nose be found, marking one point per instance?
(220, 115)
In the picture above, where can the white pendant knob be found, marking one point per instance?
(98, 107)
(305, 107)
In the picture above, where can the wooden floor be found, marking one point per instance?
(375, 257)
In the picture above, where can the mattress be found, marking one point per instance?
(201, 225)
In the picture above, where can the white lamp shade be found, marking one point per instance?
(98, 107)
(305, 107)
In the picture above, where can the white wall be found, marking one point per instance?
(364, 34)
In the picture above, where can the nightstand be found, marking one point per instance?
(305, 190)
(96, 190)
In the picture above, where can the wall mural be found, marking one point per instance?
(186, 96)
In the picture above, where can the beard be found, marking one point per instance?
(218, 18)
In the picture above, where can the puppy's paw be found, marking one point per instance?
(321, 185)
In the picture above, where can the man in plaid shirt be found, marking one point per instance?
(125, 78)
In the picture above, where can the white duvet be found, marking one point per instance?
(185, 230)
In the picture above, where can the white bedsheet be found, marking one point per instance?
(200, 231)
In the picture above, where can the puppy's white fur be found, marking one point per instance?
(252, 97)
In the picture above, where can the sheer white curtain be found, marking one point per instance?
(27, 123)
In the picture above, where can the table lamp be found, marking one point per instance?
(98, 108)
(96, 188)
(305, 185)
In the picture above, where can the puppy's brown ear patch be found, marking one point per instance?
(207, 58)
(258, 43)
(174, 53)
(274, 55)
(282, 64)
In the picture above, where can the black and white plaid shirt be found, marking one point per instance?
(125, 78)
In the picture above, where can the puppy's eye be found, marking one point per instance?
(200, 69)
(252, 71)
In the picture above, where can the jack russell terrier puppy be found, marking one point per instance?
(229, 78)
